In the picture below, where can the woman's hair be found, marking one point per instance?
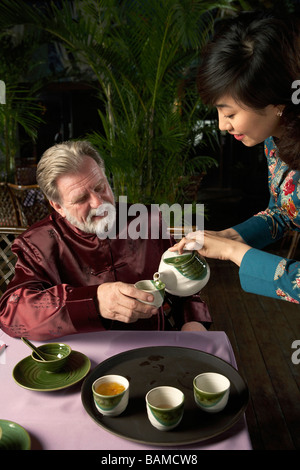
(254, 58)
(61, 159)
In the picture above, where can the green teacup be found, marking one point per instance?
(60, 350)
(211, 391)
(165, 407)
(156, 288)
(111, 394)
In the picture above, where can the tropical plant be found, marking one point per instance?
(21, 107)
(142, 56)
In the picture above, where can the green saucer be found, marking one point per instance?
(28, 375)
(13, 436)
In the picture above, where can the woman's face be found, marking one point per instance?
(247, 125)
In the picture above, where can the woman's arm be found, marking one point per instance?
(215, 245)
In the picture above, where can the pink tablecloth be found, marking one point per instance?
(57, 420)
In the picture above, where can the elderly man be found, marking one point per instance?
(70, 275)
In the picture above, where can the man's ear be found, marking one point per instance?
(58, 208)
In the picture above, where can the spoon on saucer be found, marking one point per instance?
(43, 356)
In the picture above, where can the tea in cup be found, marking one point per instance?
(165, 406)
(156, 288)
(211, 391)
(111, 394)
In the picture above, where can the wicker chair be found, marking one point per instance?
(10, 227)
(31, 204)
(25, 175)
(20, 207)
(7, 257)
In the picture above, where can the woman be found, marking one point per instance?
(249, 73)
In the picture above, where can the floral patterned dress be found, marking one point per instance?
(261, 272)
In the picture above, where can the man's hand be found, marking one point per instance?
(120, 301)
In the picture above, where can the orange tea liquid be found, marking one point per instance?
(109, 388)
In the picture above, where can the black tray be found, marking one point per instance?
(146, 368)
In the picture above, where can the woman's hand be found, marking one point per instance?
(224, 245)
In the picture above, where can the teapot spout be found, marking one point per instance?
(166, 277)
(158, 281)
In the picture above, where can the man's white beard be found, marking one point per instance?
(100, 227)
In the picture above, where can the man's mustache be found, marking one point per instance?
(101, 210)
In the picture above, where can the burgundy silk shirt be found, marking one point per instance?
(58, 270)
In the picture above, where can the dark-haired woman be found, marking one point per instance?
(250, 73)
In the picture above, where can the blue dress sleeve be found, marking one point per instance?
(264, 273)
(262, 229)
(270, 275)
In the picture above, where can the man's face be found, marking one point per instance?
(87, 200)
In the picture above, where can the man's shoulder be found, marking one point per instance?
(42, 230)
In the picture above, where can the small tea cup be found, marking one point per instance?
(211, 391)
(165, 407)
(111, 394)
(156, 288)
(60, 350)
